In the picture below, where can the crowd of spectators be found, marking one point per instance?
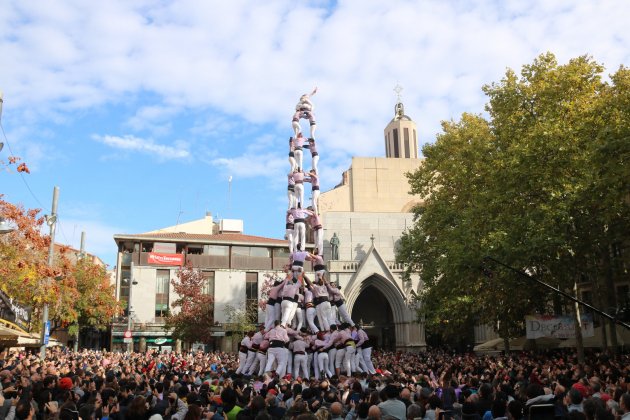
(431, 385)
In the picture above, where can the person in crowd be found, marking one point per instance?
(188, 385)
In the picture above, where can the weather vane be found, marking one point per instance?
(398, 89)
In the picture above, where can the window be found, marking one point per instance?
(125, 279)
(281, 253)
(396, 151)
(208, 284)
(259, 252)
(147, 247)
(251, 296)
(165, 247)
(216, 250)
(195, 250)
(162, 284)
(406, 132)
(250, 251)
(240, 250)
(387, 145)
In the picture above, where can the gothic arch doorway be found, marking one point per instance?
(374, 312)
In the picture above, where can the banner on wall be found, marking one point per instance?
(557, 326)
(165, 259)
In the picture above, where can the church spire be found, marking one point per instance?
(401, 139)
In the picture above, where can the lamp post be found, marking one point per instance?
(52, 223)
(132, 282)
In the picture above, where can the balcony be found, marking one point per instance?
(251, 263)
(208, 261)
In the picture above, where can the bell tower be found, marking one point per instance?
(401, 138)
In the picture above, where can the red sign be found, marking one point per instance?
(165, 259)
(127, 334)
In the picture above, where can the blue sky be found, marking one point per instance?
(141, 110)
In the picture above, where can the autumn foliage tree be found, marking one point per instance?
(77, 291)
(193, 313)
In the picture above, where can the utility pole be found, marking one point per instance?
(52, 223)
(129, 308)
(81, 257)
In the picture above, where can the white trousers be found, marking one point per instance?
(299, 314)
(319, 240)
(299, 158)
(300, 366)
(255, 366)
(341, 353)
(344, 316)
(291, 238)
(293, 163)
(310, 319)
(288, 311)
(292, 199)
(323, 315)
(270, 316)
(242, 359)
(299, 230)
(359, 362)
(251, 357)
(315, 200)
(262, 361)
(348, 360)
(367, 358)
(323, 360)
(299, 194)
(279, 355)
(332, 356)
(315, 161)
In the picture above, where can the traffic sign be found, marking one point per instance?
(46, 332)
(127, 340)
(127, 334)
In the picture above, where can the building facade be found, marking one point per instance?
(233, 263)
(367, 213)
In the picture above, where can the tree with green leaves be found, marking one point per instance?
(524, 186)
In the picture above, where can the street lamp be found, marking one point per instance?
(131, 283)
(51, 221)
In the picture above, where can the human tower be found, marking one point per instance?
(307, 326)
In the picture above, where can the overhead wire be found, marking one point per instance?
(28, 187)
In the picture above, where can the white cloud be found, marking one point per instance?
(132, 143)
(253, 60)
(252, 165)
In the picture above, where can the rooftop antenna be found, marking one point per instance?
(180, 210)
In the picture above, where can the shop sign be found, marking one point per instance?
(165, 259)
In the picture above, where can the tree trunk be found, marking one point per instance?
(599, 298)
(503, 333)
(579, 341)
(611, 298)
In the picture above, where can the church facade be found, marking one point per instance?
(367, 214)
